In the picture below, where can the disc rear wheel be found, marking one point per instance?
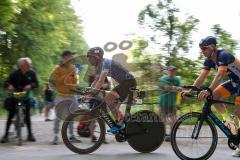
(145, 131)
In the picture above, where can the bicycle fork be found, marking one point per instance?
(199, 123)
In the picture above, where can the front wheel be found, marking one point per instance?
(19, 122)
(88, 130)
(187, 147)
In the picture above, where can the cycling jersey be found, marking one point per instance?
(118, 73)
(225, 62)
(113, 70)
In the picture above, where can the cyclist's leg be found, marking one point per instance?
(110, 100)
(121, 92)
(237, 111)
(120, 115)
(237, 103)
(222, 91)
(236, 153)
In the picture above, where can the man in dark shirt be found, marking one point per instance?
(22, 79)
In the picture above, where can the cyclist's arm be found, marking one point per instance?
(199, 81)
(100, 80)
(218, 78)
(94, 83)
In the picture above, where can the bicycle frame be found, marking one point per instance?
(207, 112)
(108, 119)
(20, 111)
(102, 109)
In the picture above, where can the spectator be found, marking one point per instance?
(49, 99)
(40, 104)
(34, 104)
(22, 79)
(169, 84)
(64, 79)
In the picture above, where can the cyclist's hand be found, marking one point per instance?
(186, 92)
(10, 88)
(86, 97)
(27, 87)
(93, 92)
(179, 89)
(203, 94)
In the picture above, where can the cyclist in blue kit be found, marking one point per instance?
(225, 64)
(126, 81)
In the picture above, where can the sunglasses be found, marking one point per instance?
(204, 48)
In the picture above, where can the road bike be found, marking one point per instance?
(194, 135)
(144, 131)
(20, 115)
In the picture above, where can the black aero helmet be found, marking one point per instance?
(98, 51)
(207, 41)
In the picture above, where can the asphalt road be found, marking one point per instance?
(43, 150)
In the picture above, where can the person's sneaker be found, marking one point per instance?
(236, 153)
(4, 139)
(117, 128)
(31, 138)
(55, 140)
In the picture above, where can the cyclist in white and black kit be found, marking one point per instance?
(126, 81)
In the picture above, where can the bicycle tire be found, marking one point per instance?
(150, 123)
(68, 143)
(180, 122)
(19, 128)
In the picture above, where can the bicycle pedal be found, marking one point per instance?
(120, 137)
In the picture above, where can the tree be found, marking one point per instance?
(167, 30)
(41, 30)
(6, 28)
(225, 39)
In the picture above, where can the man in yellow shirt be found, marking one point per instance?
(63, 79)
